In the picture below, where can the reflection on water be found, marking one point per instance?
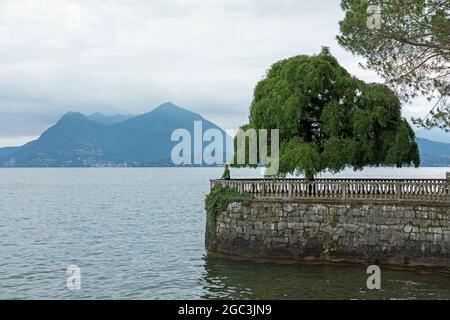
(228, 278)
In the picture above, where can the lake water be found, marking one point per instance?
(139, 234)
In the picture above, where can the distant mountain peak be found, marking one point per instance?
(168, 105)
(73, 115)
(108, 119)
(170, 109)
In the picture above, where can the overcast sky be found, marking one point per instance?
(130, 56)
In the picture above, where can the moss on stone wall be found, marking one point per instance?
(217, 201)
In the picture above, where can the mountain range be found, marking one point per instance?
(108, 120)
(434, 134)
(77, 140)
(97, 140)
(434, 154)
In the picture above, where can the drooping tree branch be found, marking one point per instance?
(410, 48)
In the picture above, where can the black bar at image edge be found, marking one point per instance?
(228, 309)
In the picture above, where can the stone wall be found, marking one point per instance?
(399, 234)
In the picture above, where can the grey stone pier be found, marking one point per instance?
(396, 222)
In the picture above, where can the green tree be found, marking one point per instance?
(329, 120)
(409, 48)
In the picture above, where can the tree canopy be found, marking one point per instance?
(409, 47)
(328, 119)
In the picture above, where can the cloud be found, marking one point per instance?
(130, 56)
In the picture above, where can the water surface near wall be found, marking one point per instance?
(139, 233)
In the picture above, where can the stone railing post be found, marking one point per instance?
(344, 190)
(399, 190)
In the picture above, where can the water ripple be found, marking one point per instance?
(139, 234)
